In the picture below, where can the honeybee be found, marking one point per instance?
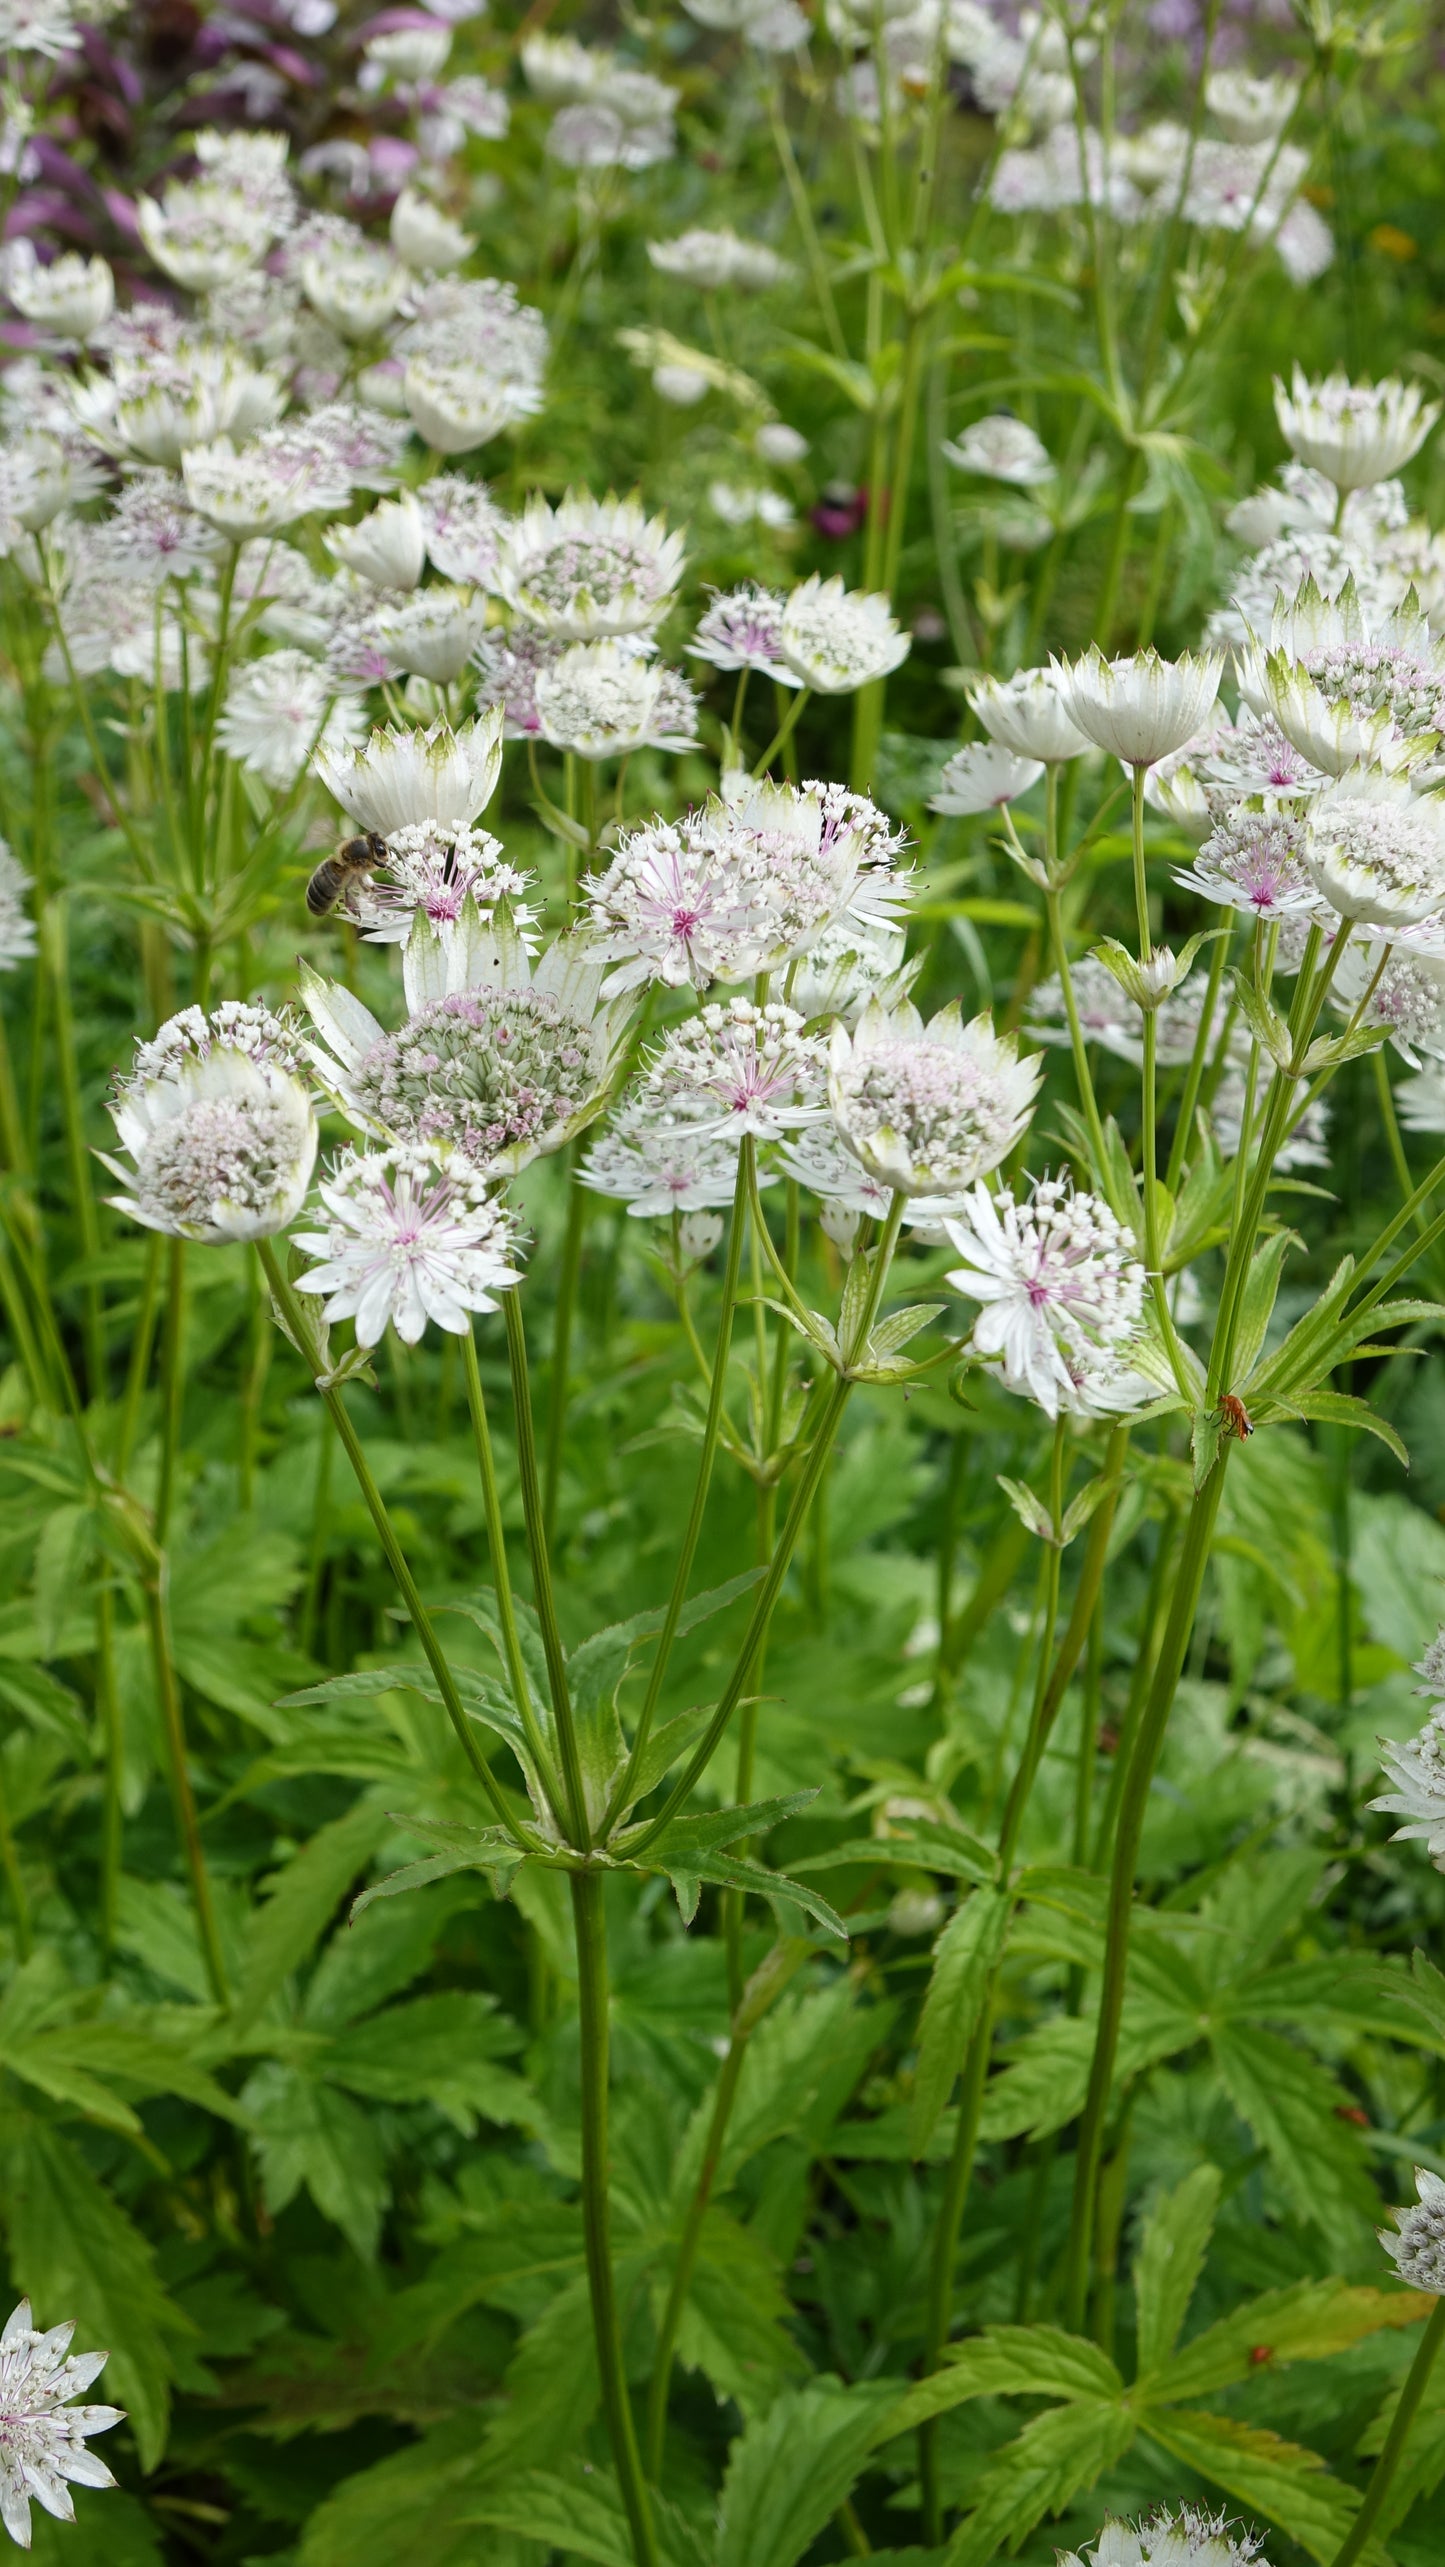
(355, 859)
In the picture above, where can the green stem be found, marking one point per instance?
(1183, 1133)
(173, 1726)
(112, 1722)
(579, 1820)
(55, 941)
(501, 1580)
(784, 731)
(14, 1880)
(288, 1305)
(590, 1927)
(1384, 2470)
(140, 1355)
(577, 1202)
(1178, 1631)
(1083, 1076)
(173, 1388)
(693, 1532)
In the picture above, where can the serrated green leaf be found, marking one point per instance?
(305, 1895)
(1053, 2460)
(790, 2471)
(1287, 2484)
(964, 1959)
(1007, 2361)
(1306, 2322)
(1169, 2263)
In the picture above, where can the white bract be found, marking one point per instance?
(982, 777)
(1377, 855)
(1417, 2248)
(73, 296)
(425, 238)
(17, 927)
(835, 639)
(401, 777)
(388, 548)
(589, 567)
(1416, 1770)
(928, 1108)
(715, 260)
(222, 1146)
(1188, 2538)
(1026, 713)
(411, 1240)
(1354, 433)
(42, 2435)
(283, 709)
(1140, 708)
(1003, 449)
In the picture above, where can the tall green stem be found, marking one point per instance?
(578, 1816)
(107, 1696)
(501, 1579)
(590, 1928)
(290, 1308)
(571, 1267)
(1404, 2416)
(56, 947)
(173, 1726)
(1178, 1631)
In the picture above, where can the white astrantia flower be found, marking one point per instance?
(283, 709)
(743, 629)
(1249, 759)
(819, 1158)
(203, 233)
(1418, 2247)
(982, 777)
(236, 1024)
(1002, 448)
(1415, 1768)
(412, 53)
(220, 396)
(508, 667)
(599, 136)
(1377, 854)
(589, 567)
(751, 503)
(1055, 1274)
(1422, 1100)
(715, 260)
(388, 547)
(1026, 713)
(740, 886)
(1251, 109)
(464, 528)
(663, 1158)
(836, 639)
(777, 443)
(1400, 989)
(740, 1068)
(1140, 708)
(1188, 2538)
(71, 298)
(434, 867)
(254, 492)
(412, 1240)
(497, 1061)
(423, 237)
(1348, 686)
(17, 928)
(1432, 1668)
(604, 699)
(682, 385)
(433, 632)
(223, 1146)
(929, 1108)
(1354, 433)
(43, 2435)
(852, 961)
(1251, 861)
(399, 778)
(456, 407)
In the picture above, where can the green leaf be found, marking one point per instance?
(1256, 1307)
(790, 2471)
(1263, 1018)
(307, 2133)
(1281, 2480)
(734, 2325)
(1339, 1408)
(1052, 2461)
(414, 2509)
(439, 2049)
(1170, 2261)
(461, 1849)
(75, 2254)
(304, 1897)
(684, 1837)
(964, 1959)
(924, 1846)
(577, 2508)
(1306, 2322)
(1290, 2102)
(1008, 2361)
(733, 1872)
(110, 2530)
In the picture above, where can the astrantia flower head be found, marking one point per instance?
(388, 547)
(1106, 1015)
(42, 2436)
(237, 1024)
(604, 699)
(411, 1240)
(740, 1068)
(836, 638)
(497, 1062)
(223, 1146)
(1142, 707)
(1251, 861)
(1346, 684)
(716, 260)
(72, 297)
(463, 528)
(1431, 1669)
(433, 632)
(589, 567)
(1056, 1274)
(402, 777)
(1354, 433)
(1188, 2538)
(281, 710)
(1418, 2247)
(852, 961)
(1003, 449)
(1377, 855)
(455, 406)
(250, 493)
(1026, 713)
(982, 777)
(929, 1108)
(659, 1158)
(1396, 988)
(17, 928)
(743, 884)
(203, 234)
(744, 630)
(433, 869)
(1416, 1768)
(425, 238)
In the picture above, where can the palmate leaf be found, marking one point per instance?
(1169, 2263)
(305, 1895)
(1290, 2103)
(734, 2325)
(1306, 2322)
(413, 2509)
(1055, 2458)
(1281, 2480)
(581, 2514)
(1008, 2361)
(440, 2049)
(307, 2133)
